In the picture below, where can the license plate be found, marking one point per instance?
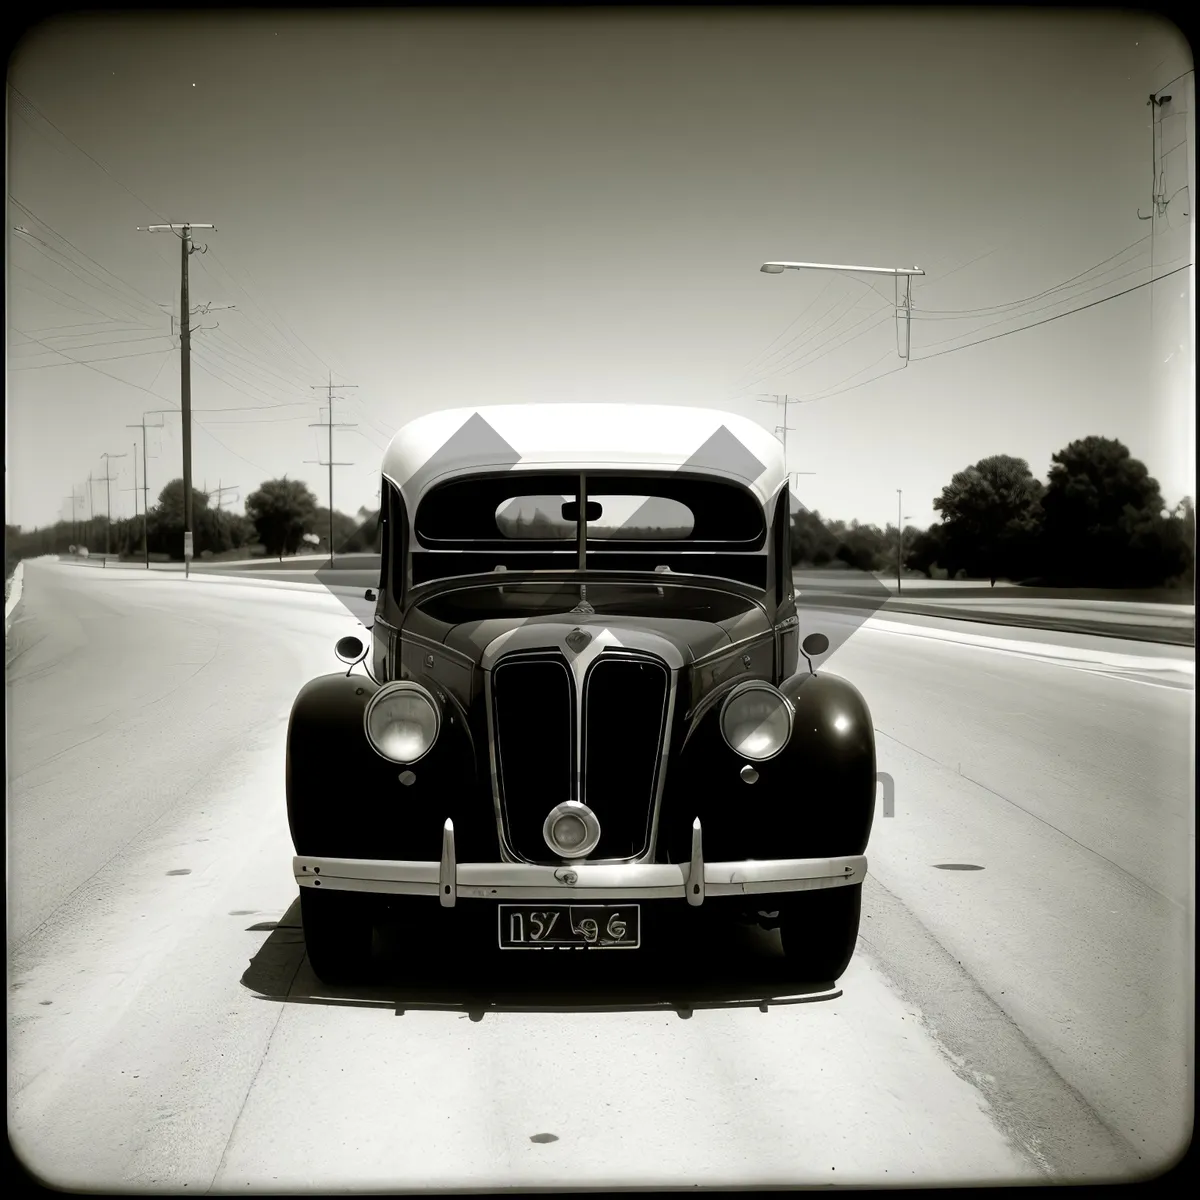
(578, 927)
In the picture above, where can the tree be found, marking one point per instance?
(989, 516)
(365, 537)
(1104, 520)
(812, 542)
(164, 523)
(345, 529)
(282, 511)
(1184, 513)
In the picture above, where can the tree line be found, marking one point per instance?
(282, 518)
(1099, 520)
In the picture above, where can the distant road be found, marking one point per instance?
(1134, 615)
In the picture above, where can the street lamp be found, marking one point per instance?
(778, 268)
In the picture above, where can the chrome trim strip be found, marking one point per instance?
(668, 734)
(448, 868)
(695, 875)
(506, 854)
(525, 881)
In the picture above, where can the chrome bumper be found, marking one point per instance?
(451, 880)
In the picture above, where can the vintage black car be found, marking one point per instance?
(586, 713)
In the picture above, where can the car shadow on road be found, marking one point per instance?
(733, 967)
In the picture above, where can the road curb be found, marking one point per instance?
(14, 595)
(1164, 635)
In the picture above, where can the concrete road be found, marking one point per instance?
(1086, 612)
(1021, 1021)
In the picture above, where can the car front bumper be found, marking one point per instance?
(451, 880)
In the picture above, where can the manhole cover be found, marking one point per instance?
(957, 867)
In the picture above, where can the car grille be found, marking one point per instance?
(535, 727)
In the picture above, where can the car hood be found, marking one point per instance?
(678, 622)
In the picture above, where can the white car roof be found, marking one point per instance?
(662, 437)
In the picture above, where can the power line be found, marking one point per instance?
(81, 325)
(827, 348)
(83, 362)
(770, 364)
(62, 238)
(985, 309)
(132, 306)
(1047, 320)
(1044, 307)
(143, 203)
(1175, 80)
(88, 363)
(745, 368)
(953, 349)
(154, 337)
(87, 306)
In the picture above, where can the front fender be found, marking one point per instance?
(814, 799)
(344, 800)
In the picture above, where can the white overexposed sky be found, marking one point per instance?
(516, 207)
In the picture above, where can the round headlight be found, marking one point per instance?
(571, 830)
(402, 722)
(756, 721)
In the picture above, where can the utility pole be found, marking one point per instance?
(134, 489)
(184, 233)
(330, 464)
(92, 502)
(145, 496)
(900, 519)
(233, 487)
(75, 522)
(781, 429)
(108, 503)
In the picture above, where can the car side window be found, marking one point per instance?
(393, 530)
(783, 547)
(385, 534)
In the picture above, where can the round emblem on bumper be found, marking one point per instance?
(571, 830)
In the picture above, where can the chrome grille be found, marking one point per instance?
(617, 732)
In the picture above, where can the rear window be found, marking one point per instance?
(628, 518)
(543, 508)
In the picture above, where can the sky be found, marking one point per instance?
(512, 207)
